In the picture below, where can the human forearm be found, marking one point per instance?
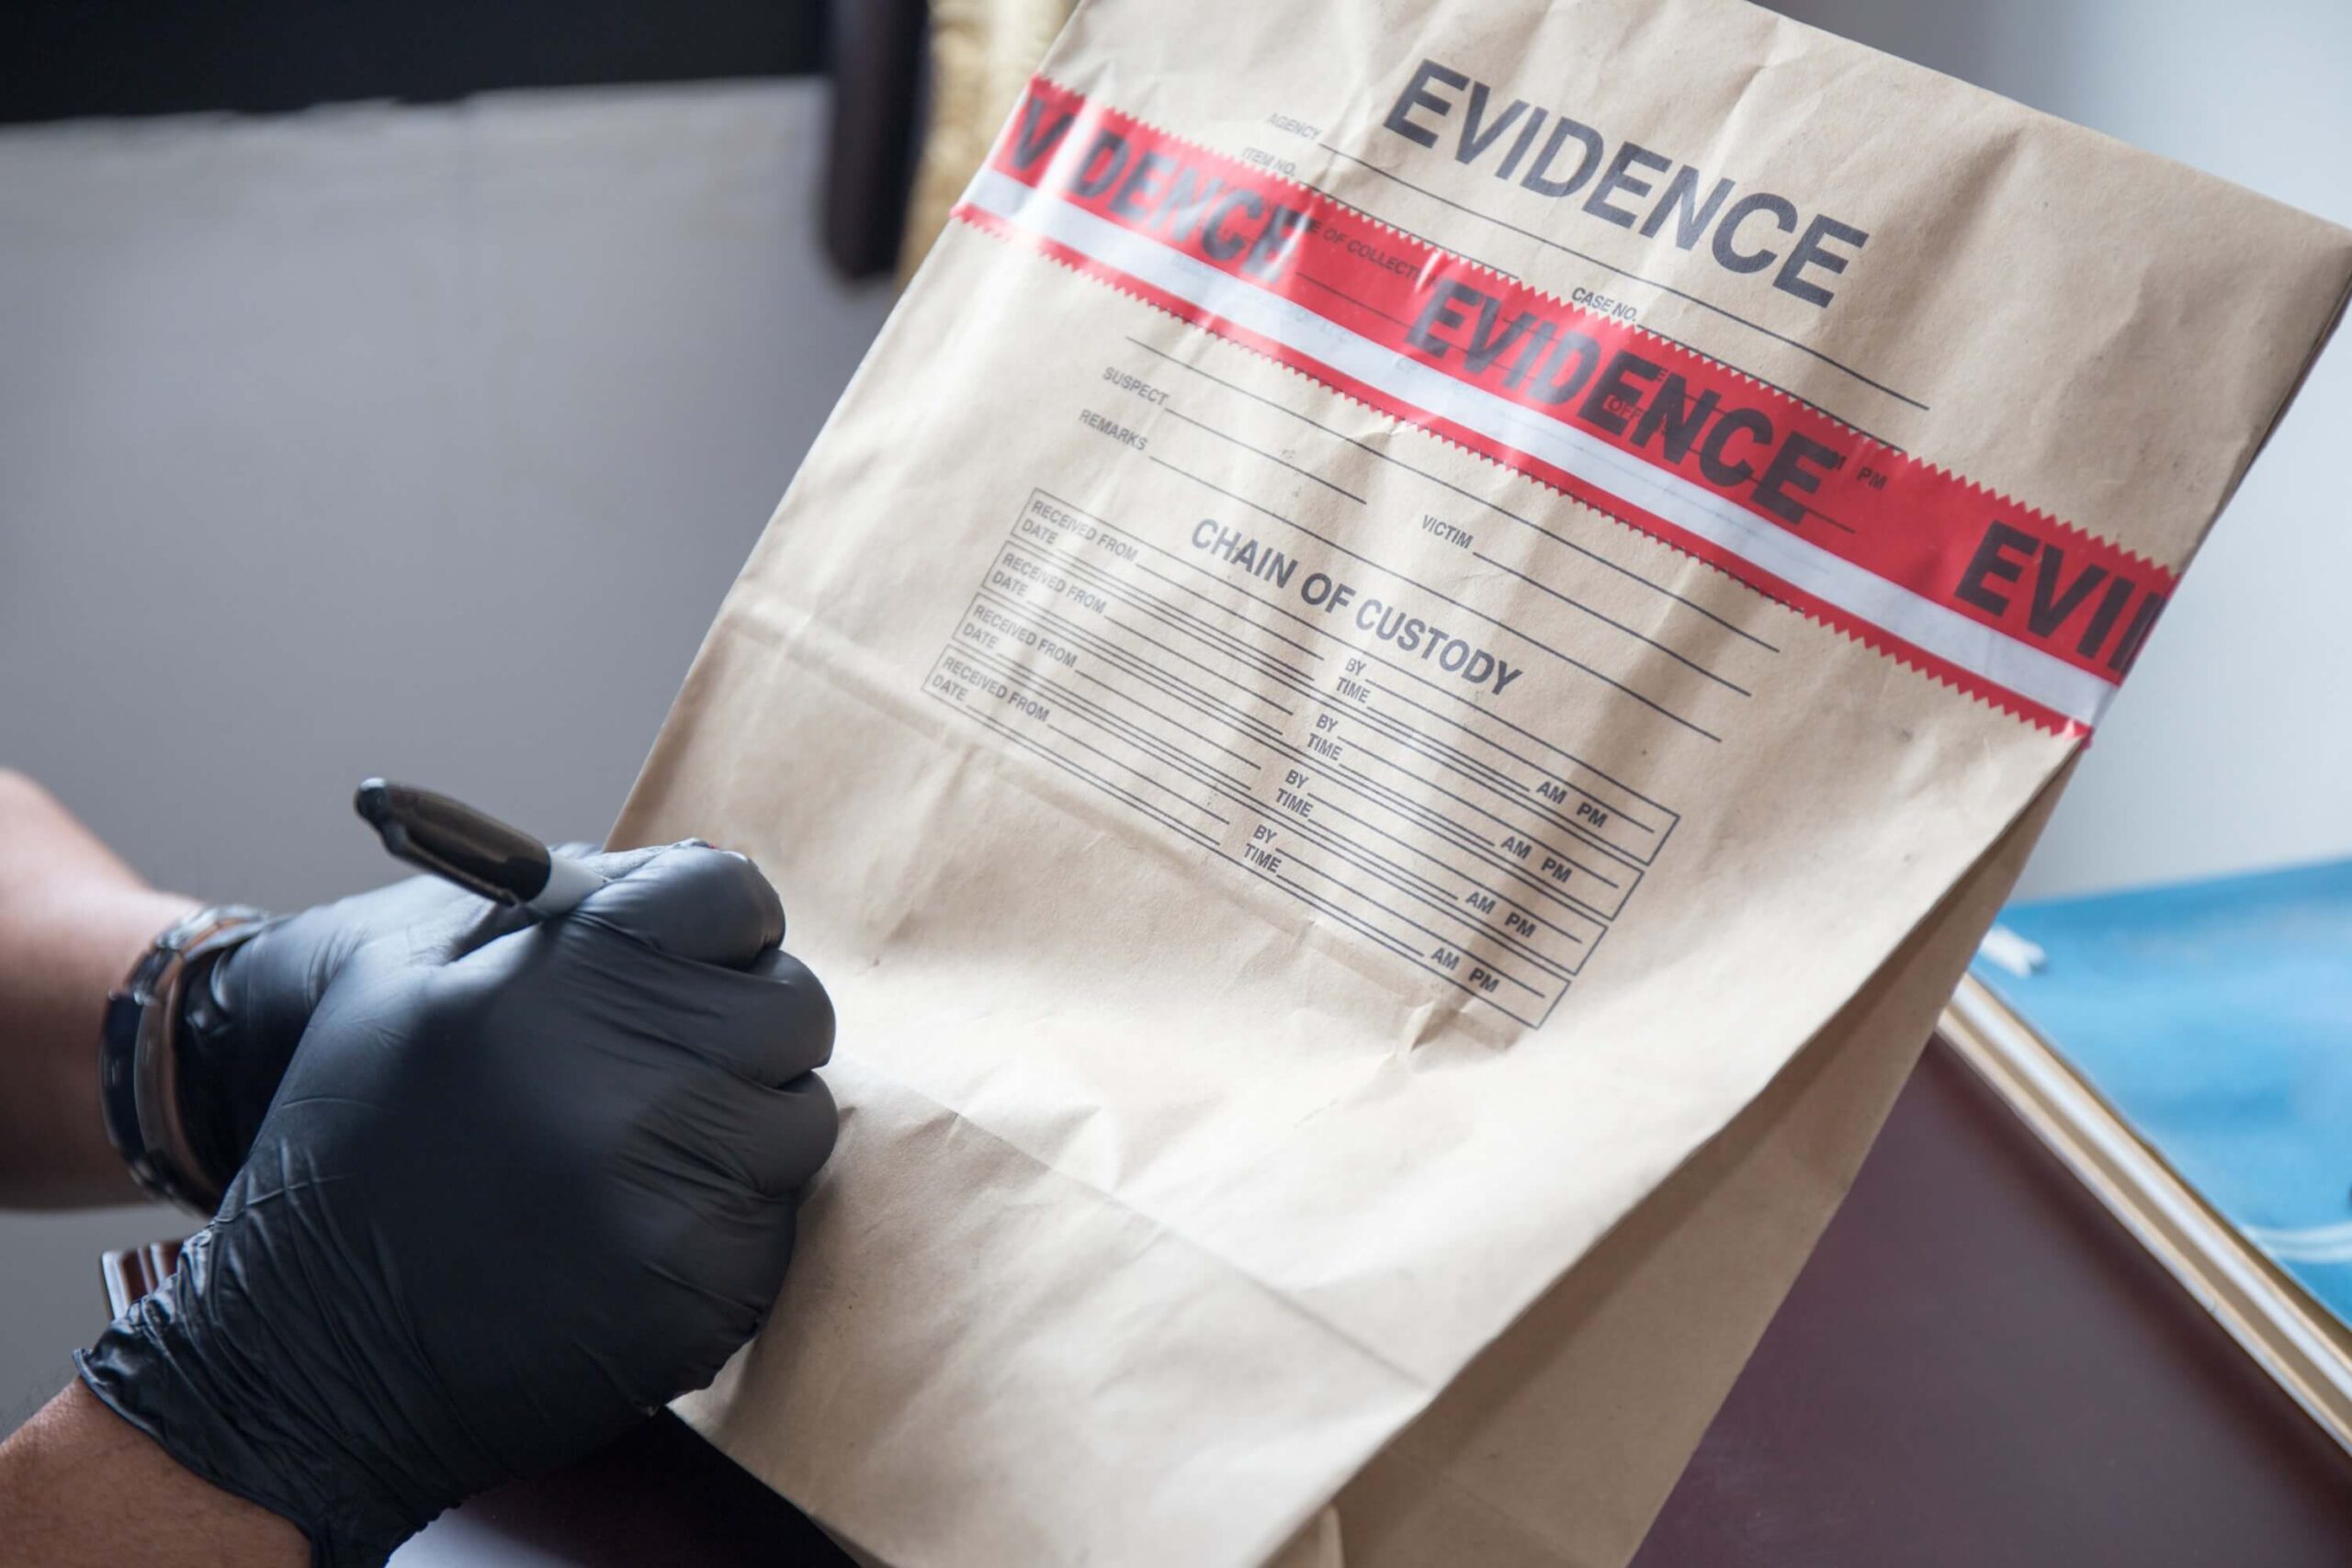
(80, 1486)
(73, 919)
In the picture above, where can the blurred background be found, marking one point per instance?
(462, 351)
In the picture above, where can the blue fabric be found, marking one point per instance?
(2216, 1018)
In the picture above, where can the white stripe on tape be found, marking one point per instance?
(2039, 677)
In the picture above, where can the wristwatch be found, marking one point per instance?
(139, 1056)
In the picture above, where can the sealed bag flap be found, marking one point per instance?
(1413, 600)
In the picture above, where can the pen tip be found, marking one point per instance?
(373, 801)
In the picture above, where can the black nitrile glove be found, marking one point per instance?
(243, 1015)
(508, 1202)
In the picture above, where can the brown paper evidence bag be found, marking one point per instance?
(1389, 706)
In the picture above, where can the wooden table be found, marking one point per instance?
(1978, 1367)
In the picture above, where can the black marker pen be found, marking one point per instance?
(476, 851)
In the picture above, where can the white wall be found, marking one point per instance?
(2231, 743)
(419, 441)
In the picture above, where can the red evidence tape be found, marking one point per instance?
(2020, 609)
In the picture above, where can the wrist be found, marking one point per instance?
(81, 1488)
(72, 919)
(195, 1369)
(75, 942)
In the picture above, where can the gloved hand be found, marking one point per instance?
(242, 1016)
(508, 1201)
